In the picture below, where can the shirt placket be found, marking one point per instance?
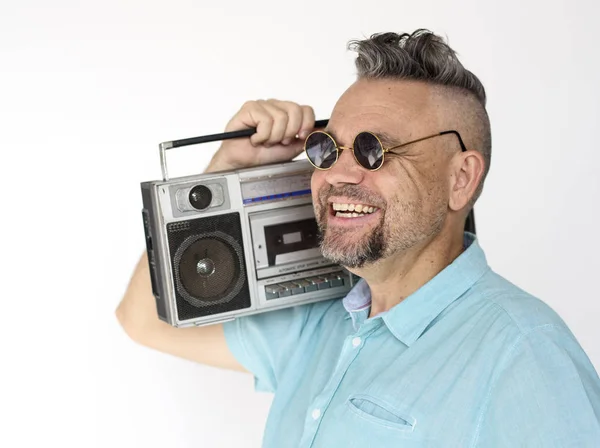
(353, 345)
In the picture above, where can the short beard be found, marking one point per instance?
(334, 246)
(386, 238)
(334, 242)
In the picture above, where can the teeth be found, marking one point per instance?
(358, 208)
(349, 215)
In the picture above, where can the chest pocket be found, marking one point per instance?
(380, 412)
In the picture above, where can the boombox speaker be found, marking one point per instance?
(208, 265)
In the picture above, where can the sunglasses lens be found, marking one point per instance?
(368, 151)
(320, 149)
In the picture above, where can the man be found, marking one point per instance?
(431, 348)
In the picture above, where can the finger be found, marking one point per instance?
(308, 122)
(294, 112)
(280, 121)
(254, 115)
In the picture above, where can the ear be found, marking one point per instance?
(466, 172)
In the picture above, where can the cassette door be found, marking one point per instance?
(208, 266)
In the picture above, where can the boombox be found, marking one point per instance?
(229, 244)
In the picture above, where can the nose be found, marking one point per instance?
(345, 171)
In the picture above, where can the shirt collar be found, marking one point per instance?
(409, 319)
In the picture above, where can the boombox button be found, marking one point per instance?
(320, 282)
(272, 291)
(282, 290)
(306, 285)
(285, 293)
(293, 287)
(335, 280)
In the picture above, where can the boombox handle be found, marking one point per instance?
(163, 147)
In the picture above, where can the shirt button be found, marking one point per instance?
(316, 413)
(356, 342)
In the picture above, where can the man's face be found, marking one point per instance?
(406, 199)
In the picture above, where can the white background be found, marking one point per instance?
(89, 89)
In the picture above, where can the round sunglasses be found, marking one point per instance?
(322, 150)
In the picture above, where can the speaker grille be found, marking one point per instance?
(208, 265)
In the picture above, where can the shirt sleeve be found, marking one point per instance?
(547, 394)
(264, 343)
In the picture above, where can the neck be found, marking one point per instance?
(393, 279)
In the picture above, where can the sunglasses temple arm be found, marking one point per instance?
(413, 141)
(460, 141)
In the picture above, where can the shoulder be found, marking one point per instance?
(508, 322)
(512, 321)
(514, 307)
(541, 374)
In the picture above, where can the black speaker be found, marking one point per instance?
(470, 222)
(208, 265)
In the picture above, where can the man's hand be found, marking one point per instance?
(277, 123)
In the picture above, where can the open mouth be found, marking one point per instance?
(348, 210)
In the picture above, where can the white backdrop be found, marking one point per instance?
(89, 89)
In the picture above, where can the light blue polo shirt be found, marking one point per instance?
(468, 360)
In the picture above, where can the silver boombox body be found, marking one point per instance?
(230, 244)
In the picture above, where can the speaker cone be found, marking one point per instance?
(209, 268)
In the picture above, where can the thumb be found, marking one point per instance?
(295, 148)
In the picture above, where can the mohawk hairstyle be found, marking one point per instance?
(424, 56)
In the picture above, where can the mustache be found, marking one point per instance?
(354, 192)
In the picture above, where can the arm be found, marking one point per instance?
(277, 123)
(137, 315)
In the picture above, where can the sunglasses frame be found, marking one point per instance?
(339, 149)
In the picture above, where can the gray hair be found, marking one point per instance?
(424, 56)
